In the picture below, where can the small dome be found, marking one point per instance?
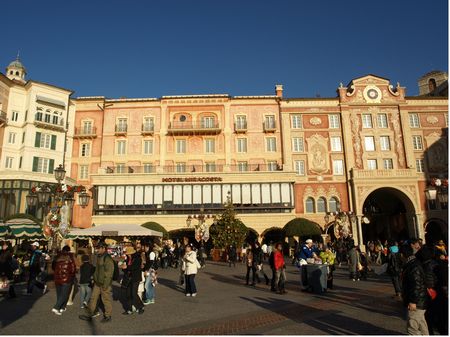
(17, 64)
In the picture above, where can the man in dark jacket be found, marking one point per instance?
(414, 293)
(103, 276)
(394, 268)
(37, 268)
(132, 278)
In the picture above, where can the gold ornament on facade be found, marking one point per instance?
(432, 119)
(315, 121)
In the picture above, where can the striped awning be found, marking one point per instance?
(4, 229)
(24, 228)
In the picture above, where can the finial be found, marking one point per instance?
(18, 54)
(341, 85)
(398, 84)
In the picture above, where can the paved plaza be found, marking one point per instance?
(224, 305)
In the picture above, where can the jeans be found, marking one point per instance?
(149, 289)
(33, 282)
(280, 278)
(396, 282)
(106, 294)
(62, 295)
(132, 297)
(253, 269)
(190, 284)
(85, 293)
(416, 324)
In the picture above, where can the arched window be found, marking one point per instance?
(310, 207)
(431, 84)
(333, 204)
(11, 72)
(17, 73)
(321, 205)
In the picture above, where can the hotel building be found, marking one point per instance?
(370, 150)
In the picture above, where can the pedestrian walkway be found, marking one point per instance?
(224, 305)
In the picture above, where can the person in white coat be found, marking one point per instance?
(190, 268)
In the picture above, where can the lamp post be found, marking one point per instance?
(437, 190)
(342, 222)
(57, 202)
(200, 226)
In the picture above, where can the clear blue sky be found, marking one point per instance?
(155, 48)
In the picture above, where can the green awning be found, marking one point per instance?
(4, 230)
(24, 228)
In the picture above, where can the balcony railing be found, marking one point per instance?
(130, 169)
(3, 118)
(194, 128)
(256, 168)
(269, 126)
(381, 174)
(85, 132)
(240, 127)
(121, 129)
(49, 122)
(148, 129)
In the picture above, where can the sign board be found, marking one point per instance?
(110, 233)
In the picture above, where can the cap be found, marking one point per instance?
(36, 244)
(309, 241)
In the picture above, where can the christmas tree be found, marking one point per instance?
(228, 229)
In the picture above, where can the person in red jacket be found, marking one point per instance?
(64, 269)
(280, 276)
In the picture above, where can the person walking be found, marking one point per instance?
(132, 278)
(86, 273)
(150, 275)
(279, 264)
(354, 264)
(251, 266)
(394, 268)
(64, 269)
(103, 276)
(7, 267)
(414, 293)
(231, 255)
(258, 256)
(37, 272)
(190, 268)
(328, 258)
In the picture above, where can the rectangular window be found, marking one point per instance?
(148, 168)
(45, 141)
(297, 144)
(388, 164)
(43, 165)
(47, 118)
(382, 121)
(297, 121)
(121, 147)
(210, 167)
(87, 127)
(210, 145)
(242, 166)
(12, 138)
(385, 144)
(208, 122)
(55, 119)
(333, 121)
(15, 116)
(269, 122)
(181, 145)
(122, 125)
(299, 167)
(420, 166)
(242, 145)
(181, 167)
(414, 120)
(271, 144)
(371, 164)
(367, 121)
(272, 166)
(148, 124)
(85, 150)
(241, 122)
(120, 168)
(369, 143)
(9, 162)
(336, 145)
(148, 146)
(84, 171)
(338, 167)
(417, 142)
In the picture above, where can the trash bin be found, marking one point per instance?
(315, 276)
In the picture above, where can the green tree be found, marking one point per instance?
(228, 229)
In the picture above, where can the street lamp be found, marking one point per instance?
(437, 190)
(200, 226)
(57, 202)
(342, 222)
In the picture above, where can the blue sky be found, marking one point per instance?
(154, 48)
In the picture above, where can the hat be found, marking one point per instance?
(129, 250)
(440, 242)
(36, 244)
(309, 241)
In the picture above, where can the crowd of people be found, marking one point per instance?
(419, 273)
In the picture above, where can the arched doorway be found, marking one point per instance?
(252, 236)
(391, 216)
(273, 235)
(434, 231)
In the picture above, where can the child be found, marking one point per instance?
(86, 273)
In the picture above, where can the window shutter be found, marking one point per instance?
(53, 144)
(51, 164)
(37, 141)
(35, 163)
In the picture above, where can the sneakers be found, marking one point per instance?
(188, 294)
(96, 314)
(149, 302)
(140, 311)
(106, 319)
(194, 294)
(69, 303)
(62, 310)
(56, 312)
(82, 306)
(85, 318)
(45, 290)
(128, 312)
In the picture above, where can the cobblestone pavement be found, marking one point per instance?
(224, 305)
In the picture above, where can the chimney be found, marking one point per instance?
(279, 90)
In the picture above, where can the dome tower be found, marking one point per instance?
(16, 70)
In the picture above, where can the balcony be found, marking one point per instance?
(240, 127)
(46, 121)
(121, 130)
(194, 128)
(130, 169)
(269, 127)
(85, 133)
(3, 119)
(256, 168)
(147, 129)
(383, 174)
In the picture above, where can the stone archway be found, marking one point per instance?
(273, 234)
(435, 229)
(391, 214)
